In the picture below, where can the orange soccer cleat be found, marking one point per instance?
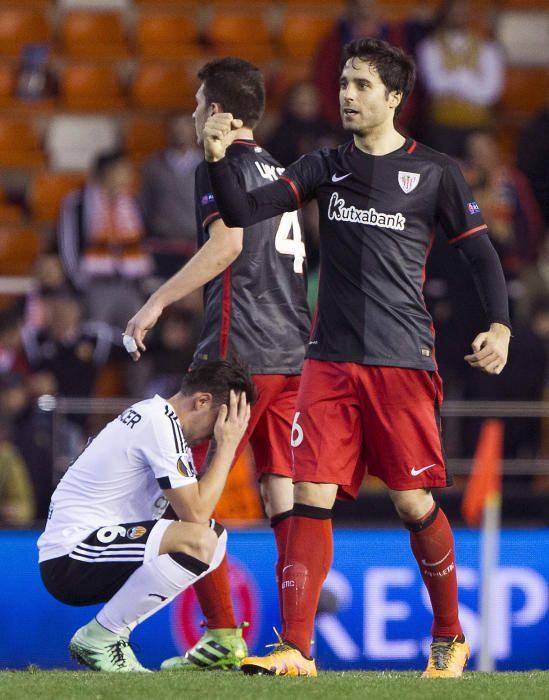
(447, 659)
(283, 660)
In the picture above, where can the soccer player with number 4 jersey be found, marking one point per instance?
(370, 393)
(255, 306)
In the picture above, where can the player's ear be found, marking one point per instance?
(395, 99)
(202, 400)
(215, 108)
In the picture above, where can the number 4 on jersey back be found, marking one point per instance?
(288, 239)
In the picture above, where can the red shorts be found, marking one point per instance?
(270, 425)
(351, 418)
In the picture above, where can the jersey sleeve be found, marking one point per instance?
(165, 450)
(304, 176)
(458, 214)
(241, 208)
(207, 206)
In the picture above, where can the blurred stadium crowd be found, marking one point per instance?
(97, 159)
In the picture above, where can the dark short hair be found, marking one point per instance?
(396, 69)
(218, 377)
(237, 85)
(106, 161)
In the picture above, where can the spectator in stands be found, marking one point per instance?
(362, 18)
(48, 276)
(533, 157)
(301, 127)
(12, 357)
(30, 432)
(167, 196)
(462, 74)
(100, 239)
(72, 351)
(172, 348)
(16, 492)
(506, 201)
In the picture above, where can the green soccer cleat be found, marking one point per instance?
(221, 649)
(101, 650)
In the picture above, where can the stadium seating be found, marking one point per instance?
(7, 82)
(89, 34)
(302, 32)
(244, 34)
(9, 213)
(88, 87)
(46, 191)
(20, 26)
(526, 89)
(19, 247)
(143, 136)
(167, 35)
(19, 144)
(160, 85)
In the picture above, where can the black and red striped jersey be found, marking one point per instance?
(257, 309)
(378, 216)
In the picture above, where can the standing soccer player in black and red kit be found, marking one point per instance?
(370, 393)
(255, 306)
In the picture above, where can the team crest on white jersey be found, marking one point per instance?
(408, 181)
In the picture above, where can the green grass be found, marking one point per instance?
(66, 685)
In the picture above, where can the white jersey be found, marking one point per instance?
(119, 477)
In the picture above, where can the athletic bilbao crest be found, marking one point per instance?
(408, 181)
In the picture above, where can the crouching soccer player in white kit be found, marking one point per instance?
(104, 541)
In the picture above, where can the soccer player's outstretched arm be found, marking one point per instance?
(238, 207)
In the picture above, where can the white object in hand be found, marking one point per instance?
(129, 343)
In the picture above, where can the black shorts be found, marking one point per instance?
(102, 563)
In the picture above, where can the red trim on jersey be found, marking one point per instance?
(210, 218)
(294, 188)
(412, 147)
(467, 233)
(225, 315)
(244, 143)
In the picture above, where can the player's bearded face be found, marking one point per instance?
(363, 100)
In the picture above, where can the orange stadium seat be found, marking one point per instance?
(93, 34)
(46, 191)
(19, 248)
(244, 34)
(302, 32)
(144, 136)
(89, 87)
(9, 213)
(20, 26)
(167, 35)
(7, 84)
(160, 86)
(526, 89)
(19, 144)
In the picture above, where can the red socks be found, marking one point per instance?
(308, 560)
(281, 527)
(433, 547)
(214, 595)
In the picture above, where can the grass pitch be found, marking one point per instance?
(68, 685)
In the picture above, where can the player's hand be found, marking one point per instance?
(218, 134)
(232, 422)
(490, 349)
(138, 326)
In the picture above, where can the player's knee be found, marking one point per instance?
(205, 544)
(199, 541)
(220, 549)
(412, 505)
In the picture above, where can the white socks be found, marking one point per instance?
(155, 584)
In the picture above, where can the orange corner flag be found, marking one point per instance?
(485, 480)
